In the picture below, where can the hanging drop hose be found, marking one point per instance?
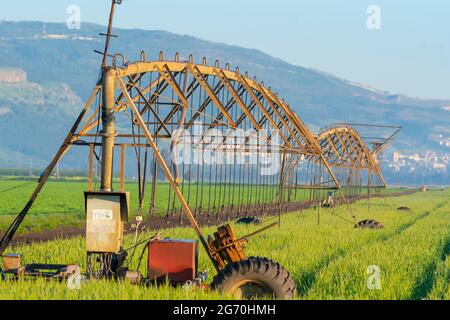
(345, 219)
(157, 236)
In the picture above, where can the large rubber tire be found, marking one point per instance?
(369, 224)
(248, 220)
(255, 278)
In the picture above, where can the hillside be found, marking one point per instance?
(33, 118)
(61, 69)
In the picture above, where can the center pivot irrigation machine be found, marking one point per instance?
(235, 148)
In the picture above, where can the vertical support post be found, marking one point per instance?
(176, 138)
(91, 167)
(282, 172)
(108, 34)
(122, 168)
(108, 130)
(318, 212)
(154, 185)
(369, 185)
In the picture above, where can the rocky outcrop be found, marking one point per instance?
(4, 111)
(12, 75)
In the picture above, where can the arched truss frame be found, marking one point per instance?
(282, 119)
(165, 90)
(343, 147)
(339, 146)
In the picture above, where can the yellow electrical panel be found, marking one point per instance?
(105, 214)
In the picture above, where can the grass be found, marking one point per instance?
(327, 261)
(406, 258)
(441, 287)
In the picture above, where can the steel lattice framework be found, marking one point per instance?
(151, 100)
(173, 95)
(344, 148)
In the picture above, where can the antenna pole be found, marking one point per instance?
(108, 35)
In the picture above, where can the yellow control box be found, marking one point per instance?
(105, 214)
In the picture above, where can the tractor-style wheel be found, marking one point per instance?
(255, 278)
(369, 224)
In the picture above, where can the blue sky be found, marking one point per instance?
(410, 54)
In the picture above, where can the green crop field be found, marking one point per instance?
(61, 203)
(330, 260)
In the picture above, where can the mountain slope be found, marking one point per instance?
(33, 119)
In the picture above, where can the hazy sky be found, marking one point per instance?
(410, 53)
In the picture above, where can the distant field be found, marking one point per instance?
(61, 203)
(328, 261)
